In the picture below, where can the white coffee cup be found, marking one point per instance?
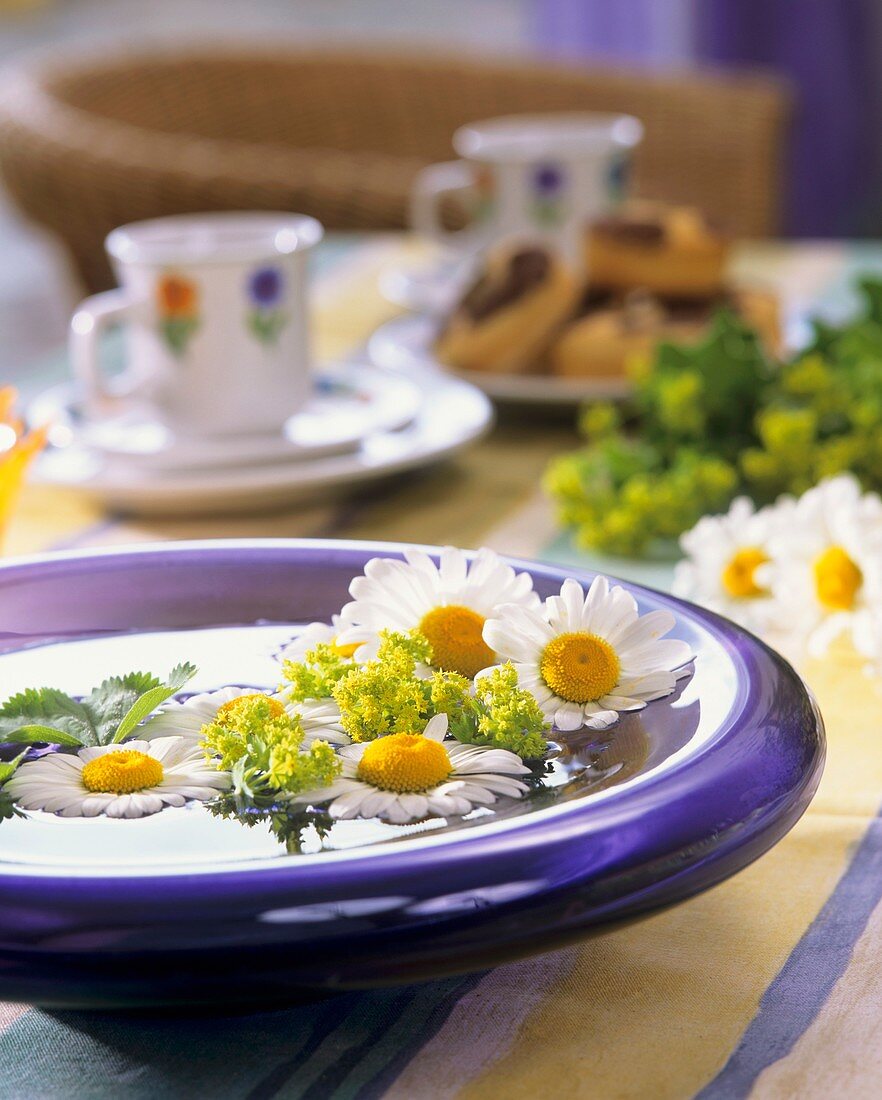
(542, 176)
(217, 325)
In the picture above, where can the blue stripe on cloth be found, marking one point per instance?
(802, 986)
(349, 1047)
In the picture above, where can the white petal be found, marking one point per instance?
(568, 716)
(436, 728)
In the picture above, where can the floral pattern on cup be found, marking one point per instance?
(549, 192)
(266, 292)
(177, 301)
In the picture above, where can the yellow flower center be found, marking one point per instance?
(454, 633)
(344, 650)
(404, 762)
(233, 706)
(579, 667)
(837, 579)
(122, 772)
(739, 576)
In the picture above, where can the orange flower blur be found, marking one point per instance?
(17, 450)
(177, 296)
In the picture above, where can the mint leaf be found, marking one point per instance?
(110, 702)
(154, 697)
(104, 717)
(40, 735)
(7, 767)
(60, 719)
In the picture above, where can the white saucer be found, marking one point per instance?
(346, 406)
(405, 344)
(434, 287)
(451, 415)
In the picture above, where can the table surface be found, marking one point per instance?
(766, 986)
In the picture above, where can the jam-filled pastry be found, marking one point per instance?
(669, 250)
(611, 333)
(510, 313)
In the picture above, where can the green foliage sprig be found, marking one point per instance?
(719, 418)
(289, 823)
(7, 770)
(104, 717)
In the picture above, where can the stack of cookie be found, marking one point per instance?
(656, 273)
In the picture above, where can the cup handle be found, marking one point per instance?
(93, 315)
(430, 186)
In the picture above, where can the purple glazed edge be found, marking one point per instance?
(603, 861)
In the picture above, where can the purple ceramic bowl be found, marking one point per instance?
(704, 784)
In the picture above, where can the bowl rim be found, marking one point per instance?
(729, 765)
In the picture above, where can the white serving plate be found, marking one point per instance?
(450, 416)
(405, 344)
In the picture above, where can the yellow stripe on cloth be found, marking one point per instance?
(46, 517)
(347, 302)
(656, 1009)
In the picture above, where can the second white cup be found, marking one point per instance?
(542, 176)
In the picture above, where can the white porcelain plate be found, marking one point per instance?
(345, 407)
(450, 415)
(405, 344)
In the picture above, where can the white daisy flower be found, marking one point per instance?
(133, 779)
(405, 777)
(826, 567)
(320, 634)
(585, 658)
(726, 560)
(185, 718)
(448, 603)
(867, 638)
(320, 719)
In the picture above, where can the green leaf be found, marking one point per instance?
(40, 735)
(106, 716)
(7, 767)
(154, 697)
(110, 702)
(48, 709)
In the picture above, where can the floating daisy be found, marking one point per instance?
(320, 718)
(134, 779)
(727, 559)
(585, 658)
(319, 634)
(826, 568)
(448, 603)
(409, 776)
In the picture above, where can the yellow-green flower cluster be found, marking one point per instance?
(395, 694)
(385, 696)
(262, 749)
(717, 419)
(504, 716)
(316, 676)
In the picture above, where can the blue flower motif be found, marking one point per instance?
(265, 287)
(548, 180)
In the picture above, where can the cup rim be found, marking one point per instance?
(257, 236)
(560, 134)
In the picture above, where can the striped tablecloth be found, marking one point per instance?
(769, 985)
